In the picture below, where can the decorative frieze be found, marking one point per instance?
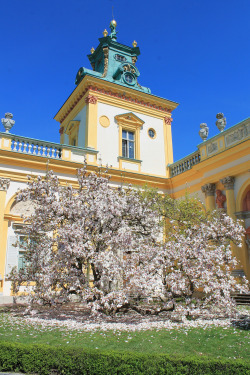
(208, 189)
(4, 184)
(237, 135)
(228, 182)
(91, 99)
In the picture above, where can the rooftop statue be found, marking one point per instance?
(203, 131)
(221, 121)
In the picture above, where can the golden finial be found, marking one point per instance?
(105, 33)
(113, 23)
(92, 50)
(134, 43)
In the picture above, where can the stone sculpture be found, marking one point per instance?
(203, 131)
(220, 199)
(8, 122)
(221, 121)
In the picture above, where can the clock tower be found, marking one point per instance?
(114, 117)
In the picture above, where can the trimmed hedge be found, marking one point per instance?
(41, 359)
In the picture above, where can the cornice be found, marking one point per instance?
(36, 165)
(117, 95)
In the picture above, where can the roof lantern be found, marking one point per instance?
(113, 61)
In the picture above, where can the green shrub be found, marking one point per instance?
(41, 359)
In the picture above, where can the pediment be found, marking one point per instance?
(72, 127)
(129, 119)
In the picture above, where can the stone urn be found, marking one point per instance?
(8, 122)
(203, 131)
(221, 121)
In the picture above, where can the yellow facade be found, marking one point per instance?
(219, 164)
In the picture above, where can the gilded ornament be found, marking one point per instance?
(134, 43)
(105, 33)
(92, 50)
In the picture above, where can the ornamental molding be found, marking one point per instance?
(76, 97)
(228, 182)
(61, 130)
(129, 120)
(91, 99)
(208, 189)
(4, 184)
(168, 120)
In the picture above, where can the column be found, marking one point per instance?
(4, 184)
(209, 190)
(228, 183)
(91, 122)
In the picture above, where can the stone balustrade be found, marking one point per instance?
(36, 147)
(184, 164)
(45, 149)
(225, 140)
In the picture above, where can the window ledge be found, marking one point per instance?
(129, 159)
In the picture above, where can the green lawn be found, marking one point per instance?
(216, 342)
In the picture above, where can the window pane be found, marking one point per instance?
(124, 149)
(124, 134)
(131, 150)
(21, 261)
(130, 136)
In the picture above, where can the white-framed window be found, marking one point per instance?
(128, 144)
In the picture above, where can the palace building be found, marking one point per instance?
(110, 119)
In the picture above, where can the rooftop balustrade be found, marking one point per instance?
(44, 149)
(226, 139)
(184, 164)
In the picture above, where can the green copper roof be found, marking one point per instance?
(114, 62)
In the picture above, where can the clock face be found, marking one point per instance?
(129, 78)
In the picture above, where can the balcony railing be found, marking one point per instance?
(36, 147)
(184, 164)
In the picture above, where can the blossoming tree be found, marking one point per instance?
(105, 245)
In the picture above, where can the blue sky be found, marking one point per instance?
(194, 52)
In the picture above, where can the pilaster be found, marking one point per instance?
(4, 185)
(209, 190)
(228, 183)
(91, 122)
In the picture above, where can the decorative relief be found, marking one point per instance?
(90, 99)
(212, 147)
(23, 208)
(228, 182)
(168, 120)
(4, 184)
(61, 130)
(208, 189)
(238, 135)
(104, 121)
(134, 59)
(106, 61)
(220, 199)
